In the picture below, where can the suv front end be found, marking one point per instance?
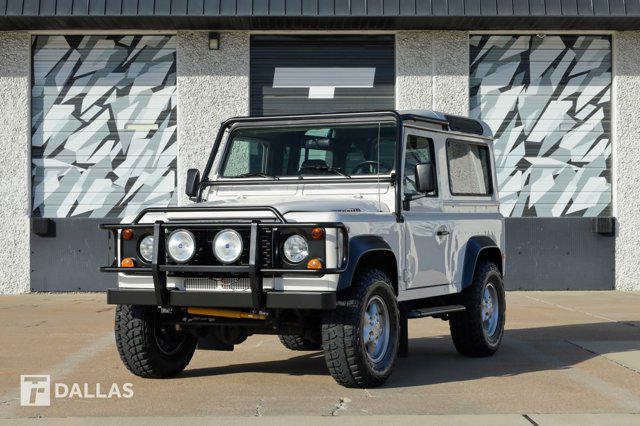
(222, 262)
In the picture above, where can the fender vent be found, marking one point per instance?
(353, 210)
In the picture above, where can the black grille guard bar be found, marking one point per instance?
(158, 268)
(195, 208)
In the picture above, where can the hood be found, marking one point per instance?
(283, 206)
(301, 205)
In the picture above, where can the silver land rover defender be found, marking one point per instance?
(329, 230)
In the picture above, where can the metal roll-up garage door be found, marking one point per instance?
(548, 100)
(328, 73)
(103, 147)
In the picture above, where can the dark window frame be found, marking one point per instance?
(233, 132)
(490, 189)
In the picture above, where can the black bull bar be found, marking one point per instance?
(257, 299)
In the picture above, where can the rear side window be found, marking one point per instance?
(469, 168)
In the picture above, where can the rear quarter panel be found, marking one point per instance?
(464, 224)
(470, 216)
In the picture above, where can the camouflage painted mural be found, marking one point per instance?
(103, 124)
(548, 101)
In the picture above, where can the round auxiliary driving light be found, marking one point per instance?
(146, 248)
(296, 249)
(227, 246)
(181, 245)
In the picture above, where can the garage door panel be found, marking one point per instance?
(103, 125)
(547, 99)
(310, 74)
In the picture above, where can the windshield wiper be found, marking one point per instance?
(256, 174)
(338, 172)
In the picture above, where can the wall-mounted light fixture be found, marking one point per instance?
(214, 41)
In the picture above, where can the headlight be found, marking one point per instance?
(227, 246)
(146, 248)
(296, 249)
(181, 245)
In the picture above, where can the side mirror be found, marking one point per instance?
(425, 178)
(193, 182)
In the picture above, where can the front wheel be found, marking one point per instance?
(478, 331)
(360, 337)
(149, 346)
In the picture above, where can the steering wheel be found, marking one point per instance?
(374, 167)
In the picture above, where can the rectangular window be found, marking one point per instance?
(419, 150)
(468, 168)
(348, 150)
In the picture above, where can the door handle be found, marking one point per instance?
(442, 233)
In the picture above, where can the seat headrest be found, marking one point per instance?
(314, 164)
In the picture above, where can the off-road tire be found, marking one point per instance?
(342, 342)
(467, 331)
(299, 343)
(138, 346)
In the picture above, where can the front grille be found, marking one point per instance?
(204, 254)
(217, 284)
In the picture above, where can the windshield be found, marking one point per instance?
(342, 150)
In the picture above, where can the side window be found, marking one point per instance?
(469, 168)
(419, 150)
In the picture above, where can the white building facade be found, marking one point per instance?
(104, 108)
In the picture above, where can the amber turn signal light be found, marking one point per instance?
(314, 264)
(127, 262)
(127, 233)
(317, 233)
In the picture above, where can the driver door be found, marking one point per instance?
(426, 234)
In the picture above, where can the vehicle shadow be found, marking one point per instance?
(308, 363)
(434, 360)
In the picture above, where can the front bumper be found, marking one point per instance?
(273, 299)
(257, 298)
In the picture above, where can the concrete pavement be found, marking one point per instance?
(567, 354)
(405, 420)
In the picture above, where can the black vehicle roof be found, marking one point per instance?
(449, 122)
(453, 122)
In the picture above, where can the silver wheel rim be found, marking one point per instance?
(376, 329)
(490, 310)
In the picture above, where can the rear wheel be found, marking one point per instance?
(478, 331)
(360, 337)
(148, 346)
(295, 342)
